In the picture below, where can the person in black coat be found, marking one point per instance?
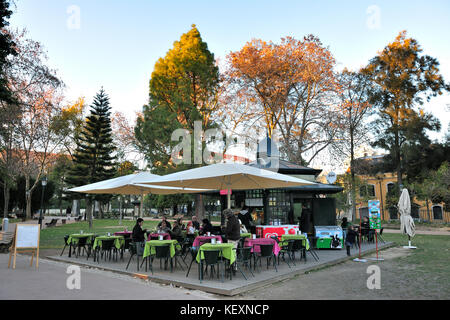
(206, 227)
(350, 239)
(138, 235)
(245, 217)
(233, 229)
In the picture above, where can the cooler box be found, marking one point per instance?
(270, 231)
(329, 237)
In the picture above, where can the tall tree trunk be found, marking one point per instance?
(6, 197)
(352, 173)
(28, 194)
(199, 207)
(89, 211)
(397, 157)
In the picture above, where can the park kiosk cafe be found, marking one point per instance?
(280, 210)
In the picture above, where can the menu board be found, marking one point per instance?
(27, 236)
(374, 214)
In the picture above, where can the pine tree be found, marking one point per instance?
(93, 158)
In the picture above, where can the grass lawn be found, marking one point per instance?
(53, 238)
(430, 261)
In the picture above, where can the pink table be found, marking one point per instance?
(200, 238)
(151, 236)
(123, 233)
(254, 244)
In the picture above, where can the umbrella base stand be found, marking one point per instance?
(409, 246)
(359, 260)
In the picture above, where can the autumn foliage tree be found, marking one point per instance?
(184, 88)
(404, 78)
(290, 84)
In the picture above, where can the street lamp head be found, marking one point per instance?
(44, 181)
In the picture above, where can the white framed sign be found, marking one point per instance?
(26, 239)
(27, 236)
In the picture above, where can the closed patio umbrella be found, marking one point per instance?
(406, 221)
(228, 176)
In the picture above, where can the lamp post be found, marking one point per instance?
(44, 183)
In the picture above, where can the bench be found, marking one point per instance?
(51, 223)
(6, 239)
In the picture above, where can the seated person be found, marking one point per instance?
(138, 235)
(190, 228)
(176, 232)
(181, 224)
(366, 230)
(164, 219)
(206, 227)
(163, 228)
(195, 223)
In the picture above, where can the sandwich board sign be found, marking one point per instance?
(26, 239)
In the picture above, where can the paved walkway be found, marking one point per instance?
(50, 282)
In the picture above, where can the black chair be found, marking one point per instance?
(287, 249)
(66, 238)
(266, 252)
(193, 252)
(211, 259)
(186, 245)
(179, 254)
(313, 247)
(299, 247)
(107, 249)
(126, 246)
(81, 244)
(244, 257)
(134, 252)
(216, 230)
(162, 253)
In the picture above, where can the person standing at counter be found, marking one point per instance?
(233, 229)
(245, 217)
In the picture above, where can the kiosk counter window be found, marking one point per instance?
(279, 206)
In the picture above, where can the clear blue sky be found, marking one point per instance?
(118, 42)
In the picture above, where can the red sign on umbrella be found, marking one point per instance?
(225, 192)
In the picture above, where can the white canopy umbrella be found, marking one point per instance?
(228, 176)
(131, 184)
(406, 221)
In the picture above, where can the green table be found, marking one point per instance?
(73, 238)
(150, 247)
(119, 241)
(226, 248)
(286, 237)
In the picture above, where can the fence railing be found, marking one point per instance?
(438, 216)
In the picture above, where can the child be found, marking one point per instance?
(350, 238)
